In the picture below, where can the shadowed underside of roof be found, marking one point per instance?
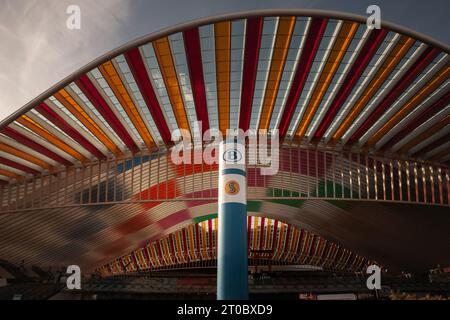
(316, 79)
(399, 236)
(269, 242)
(98, 213)
(320, 80)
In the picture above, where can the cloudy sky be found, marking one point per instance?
(37, 50)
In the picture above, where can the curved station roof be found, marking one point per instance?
(321, 79)
(196, 244)
(318, 79)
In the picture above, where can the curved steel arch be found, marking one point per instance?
(217, 18)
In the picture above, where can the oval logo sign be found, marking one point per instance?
(232, 155)
(232, 187)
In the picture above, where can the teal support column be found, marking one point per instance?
(232, 257)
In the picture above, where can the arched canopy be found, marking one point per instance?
(319, 77)
(316, 76)
(269, 242)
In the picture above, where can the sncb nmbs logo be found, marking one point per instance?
(232, 156)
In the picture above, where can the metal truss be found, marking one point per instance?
(305, 172)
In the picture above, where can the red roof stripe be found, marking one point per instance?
(35, 146)
(312, 41)
(195, 65)
(13, 164)
(52, 116)
(253, 36)
(367, 52)
(422, 62)
(418, 120)
(140, 75)
(102, 107)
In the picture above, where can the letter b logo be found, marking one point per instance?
(233, 155)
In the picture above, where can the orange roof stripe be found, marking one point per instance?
(33, 126)
(25, 156)
(255, 231)
(204, 242)
(222, 33)
(64, 98)
(337, 53)
(169, 74)
(424, 92)
(397, 54)
(111, 76)
(9, 174)
(280, 51)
